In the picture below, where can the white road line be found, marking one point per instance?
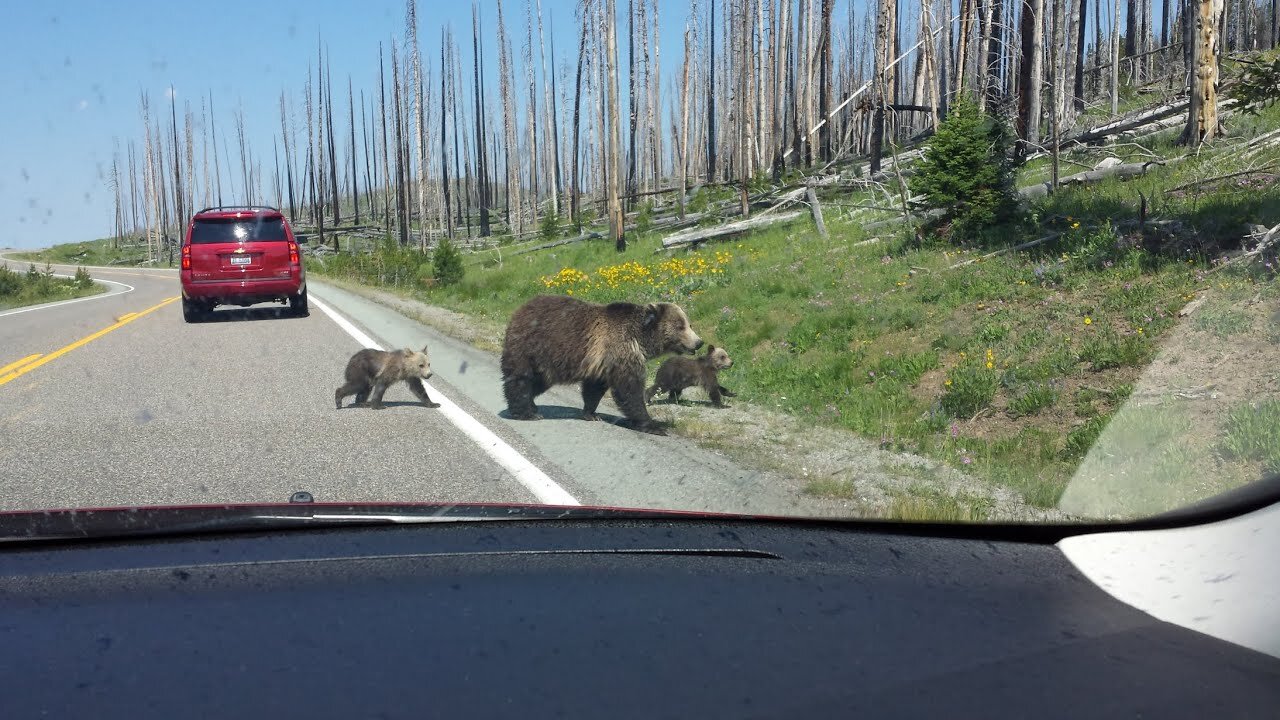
(99, 296)
(537, 482)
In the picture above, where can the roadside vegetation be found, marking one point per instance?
(39, 286)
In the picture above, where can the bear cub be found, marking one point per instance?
(679, 373)
(370, 372)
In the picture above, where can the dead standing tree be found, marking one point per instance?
(611, 105)
(514, 221)
(482, 173)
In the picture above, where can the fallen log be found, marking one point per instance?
(785, 199)
(1218, 178)
(694, 236)
(1015, 248)
(558, 243)
(1124, 170)
(1115, 127)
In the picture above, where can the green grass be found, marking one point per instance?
(39, 286)
(1035, 398)
(1253, 433)
(927, 503)
(1224, 322)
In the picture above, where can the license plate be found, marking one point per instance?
(241, 259)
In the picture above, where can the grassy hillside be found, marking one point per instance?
(104, 252)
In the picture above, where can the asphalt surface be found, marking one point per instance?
(155, 411)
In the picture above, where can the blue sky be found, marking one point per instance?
(73, 72)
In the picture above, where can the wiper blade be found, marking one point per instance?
(150, 521)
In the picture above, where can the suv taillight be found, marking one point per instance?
(293, 253)
(186, 257)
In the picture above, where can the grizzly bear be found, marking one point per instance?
(370, 372)
(678, 373)
(557, 340)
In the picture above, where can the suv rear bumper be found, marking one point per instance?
(242, 292)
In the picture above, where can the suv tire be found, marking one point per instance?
(191, 312)
(298, 304)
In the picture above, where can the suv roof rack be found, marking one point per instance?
(238, 207)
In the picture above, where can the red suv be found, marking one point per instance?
(240, 256)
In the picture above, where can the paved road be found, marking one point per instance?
(151, 410)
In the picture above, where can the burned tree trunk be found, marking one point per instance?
(611, 103)
(1032, 74)
(482, 174)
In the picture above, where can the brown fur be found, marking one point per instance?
(370, 372)
(678, 373)
(556, 340)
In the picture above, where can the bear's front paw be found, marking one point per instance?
(589, 416)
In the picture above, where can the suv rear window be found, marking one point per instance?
(234, 231)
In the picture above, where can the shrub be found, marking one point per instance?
(970, 389)
(1082, 438)
(644, 217)
(446, 262)
(1036, 398)
(966, 171)
(83, 281)
(549, 227)
(1110, 350)
(10, 282)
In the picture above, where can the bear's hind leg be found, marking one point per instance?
(352, 388)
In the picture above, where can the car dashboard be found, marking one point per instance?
(594, 618)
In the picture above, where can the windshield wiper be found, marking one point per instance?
(300, 512)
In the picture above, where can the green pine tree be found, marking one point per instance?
(446, 263)
(966, 171)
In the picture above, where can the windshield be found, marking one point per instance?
(957, 262)
(231, 231)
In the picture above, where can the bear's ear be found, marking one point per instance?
(651, 313)
(711, 349)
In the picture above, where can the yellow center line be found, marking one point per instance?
(24, 369)
(18, 363)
